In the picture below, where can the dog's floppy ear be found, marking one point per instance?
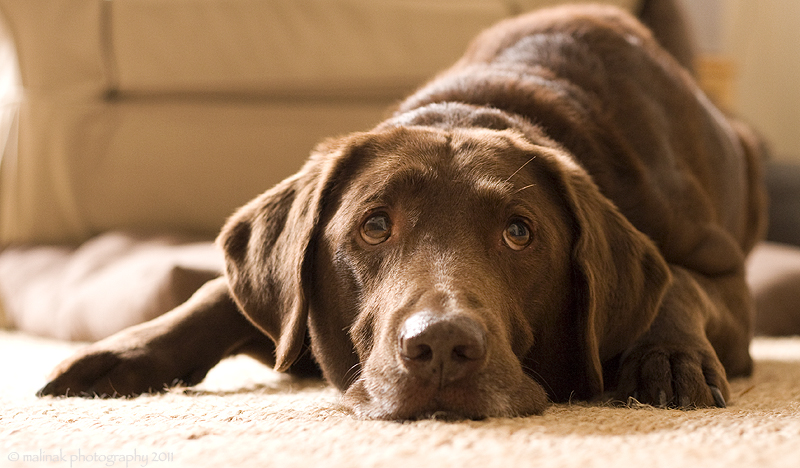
(621, 274)
(266, 244)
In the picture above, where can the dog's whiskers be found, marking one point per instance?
(538, 378)
(520, 168)
(352, 374)
(523, 188)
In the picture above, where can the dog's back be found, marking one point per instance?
(598, 82)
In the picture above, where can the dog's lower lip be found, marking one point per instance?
(424, 403)
(448, 416)
(441, 412)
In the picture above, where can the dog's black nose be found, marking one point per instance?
(446, 348)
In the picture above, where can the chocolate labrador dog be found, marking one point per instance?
(562, 214)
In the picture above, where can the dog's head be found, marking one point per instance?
(468, 272)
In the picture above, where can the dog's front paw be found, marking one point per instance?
(122, 366)
(673, 377)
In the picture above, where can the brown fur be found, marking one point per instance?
(642, 201)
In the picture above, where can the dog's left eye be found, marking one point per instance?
(517, 235)
(376, 228)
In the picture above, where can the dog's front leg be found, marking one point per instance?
(702, 323)
(179, 347)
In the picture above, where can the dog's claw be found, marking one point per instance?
(719, 400)
(52, 389)
(44, 391)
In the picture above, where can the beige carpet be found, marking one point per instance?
(245, 415)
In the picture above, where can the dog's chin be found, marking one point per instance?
(390, 399)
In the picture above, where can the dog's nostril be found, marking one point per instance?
(467, 352)
(452, 345)
(418, 352)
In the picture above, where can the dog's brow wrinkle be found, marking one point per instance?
(492, 187)
(411, 177)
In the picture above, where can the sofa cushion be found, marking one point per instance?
(274, 47)
(773, 274)
(109, 283)
(783, 189)
(290, 47)
(164, 165)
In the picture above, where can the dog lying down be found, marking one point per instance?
(560, 215)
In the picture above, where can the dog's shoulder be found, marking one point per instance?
(600, 26)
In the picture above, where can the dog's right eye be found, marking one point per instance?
(376, 229)
(517, 235)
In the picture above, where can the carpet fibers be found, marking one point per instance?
(247, 415)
